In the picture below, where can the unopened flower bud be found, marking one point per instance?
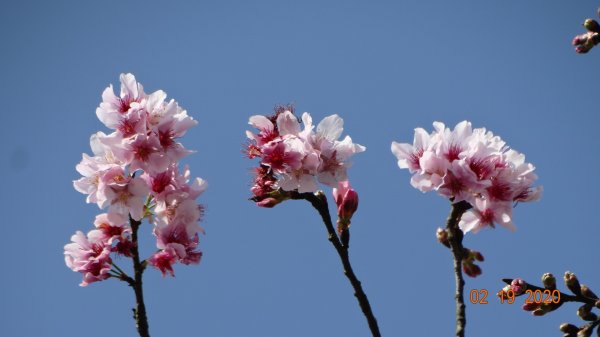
(582, 49)
(268, 202)
(572, 283)
(346, 200)
(597, 304)
(442, 236)
(477, 256)
(587, 292)
(471, 269)
(580, 39)
(591, 25)
(531, 306)
(518, 286)
(585, 312)
(549, 281)
(538, 312)
(568, 328)
(585, 332)
(504, 292)
(549, 307)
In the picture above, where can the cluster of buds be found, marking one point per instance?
(468, 262)
(469, 256)
(585, 42)
(581, 293)
(470, 165)
(134, 174)
(293, 158)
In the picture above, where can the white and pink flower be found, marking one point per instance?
(134, 174)
(293, 157)
(90, 255)
(471, 165)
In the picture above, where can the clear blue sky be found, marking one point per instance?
(386, 67)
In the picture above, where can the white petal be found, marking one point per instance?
(260, 122)
(307, 183)
(288, 124)
(331, 127)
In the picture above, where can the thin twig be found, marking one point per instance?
(139, 313)
(455, 237)
(319, 202)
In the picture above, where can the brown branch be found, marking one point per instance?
(139, 312)
(319, 202)
(455, 237)
(564, 297)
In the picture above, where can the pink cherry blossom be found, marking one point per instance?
(334, 154)
(163, 261)
(114, 109)
(486, 213)
(295, 157)
(472, 165)
(134, 174)
(177, 242)
(113, 227)
(89, 255)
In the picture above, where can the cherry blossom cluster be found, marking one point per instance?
(296, 158)
(134, 174)
(472, 165)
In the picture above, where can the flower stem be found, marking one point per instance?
(139, 312)
(319, 202)
(455, 237)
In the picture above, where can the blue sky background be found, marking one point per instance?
(386, 67)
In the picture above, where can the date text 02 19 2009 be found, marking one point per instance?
(479, 296)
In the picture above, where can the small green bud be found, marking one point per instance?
(585, 332)
(591, 25)
(585, 313)
(569, 328)
(442, 236)
(572, 283)
(549, 281)
(585, 291)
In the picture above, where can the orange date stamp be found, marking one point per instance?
(537, 296)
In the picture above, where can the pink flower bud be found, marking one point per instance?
(471, 269)
(478, 256)
(531, 306)
(518, 286)
(346, 200)
(268, 202)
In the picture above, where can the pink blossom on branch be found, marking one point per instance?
(471, 165)
(134, 174)
(293, 156)
(89, 255)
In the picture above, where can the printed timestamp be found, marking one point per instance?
(538, 296)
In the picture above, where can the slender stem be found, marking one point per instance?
(319, 202)
(119, 269)
(455, 237)
(139, 312)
